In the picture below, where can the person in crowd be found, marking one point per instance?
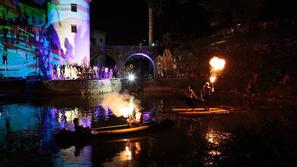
(190, 95)
(4, 55)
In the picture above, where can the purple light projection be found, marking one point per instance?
(33, 41)
(71, 30)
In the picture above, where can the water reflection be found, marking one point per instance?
(74, 156)
(216, 143)
(193, 141)
(121, 153)
(21, 122)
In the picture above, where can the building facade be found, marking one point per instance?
(36, 35)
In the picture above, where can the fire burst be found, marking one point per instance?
(212, 79)
(217, 64)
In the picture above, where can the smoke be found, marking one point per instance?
(120, 104)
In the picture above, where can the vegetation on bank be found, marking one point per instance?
(270, 53)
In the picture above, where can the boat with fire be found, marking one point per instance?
(66, 138)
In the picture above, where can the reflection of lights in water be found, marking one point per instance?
(123, 158)
(216, 137)
(126, 155)
(138, 148)
(214, 153)
(216, 142)
(210, 137)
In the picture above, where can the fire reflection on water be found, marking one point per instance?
(216, 142)
(217, 138)
(126, 155)
(131, 151)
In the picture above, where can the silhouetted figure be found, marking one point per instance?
(7, 125)
(79, 129)
(205, 95)
(250, 88)
(4, 55)
(77, 150)
(190, 98)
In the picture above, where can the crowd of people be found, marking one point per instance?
(72, 72)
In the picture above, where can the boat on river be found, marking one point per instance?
(66, 138)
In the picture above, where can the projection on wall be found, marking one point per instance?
(32, 40)
(69, 24)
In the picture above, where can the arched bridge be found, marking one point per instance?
(122, 53)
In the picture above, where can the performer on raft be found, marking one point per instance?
(136, 119)
(205, 95)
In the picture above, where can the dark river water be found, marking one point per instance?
(261, 134)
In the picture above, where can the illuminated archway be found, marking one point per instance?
(143, 55)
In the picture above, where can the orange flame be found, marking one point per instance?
(217, 64)
(212, 79)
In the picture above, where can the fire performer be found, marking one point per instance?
(205, 95)
(136, 119)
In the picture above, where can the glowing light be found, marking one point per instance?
(126, 110)
(71, 114)
(217, 64)
(212, 79)
(214, 153)
(126, 155)
(216, 138)
(131, 77)
(138, 148)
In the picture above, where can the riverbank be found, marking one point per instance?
(227, 87)
(59, 87)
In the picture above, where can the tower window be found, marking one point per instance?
(74, 7)
(73, 28)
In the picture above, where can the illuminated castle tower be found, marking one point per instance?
(69, 30)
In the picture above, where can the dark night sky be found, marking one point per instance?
(124, 21)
